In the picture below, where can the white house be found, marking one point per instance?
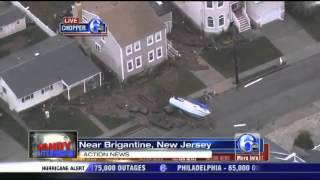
(12, 20)
(216, 16)
(44, 70)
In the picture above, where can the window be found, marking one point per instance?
(158, 36)
(150, 40)
(138, 62)
(103, 39)
(220, 4)
(221, 20)
(4, 90)
(151, 56)
(26, 98)
(98, 47)
(137, 46)
(130, 65)
(49, 88)
(18, 22)
(129, 49)
(210, 22)
(159, 52)
(1, 28)
(209, 4)
(84, 19)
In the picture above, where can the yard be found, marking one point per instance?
(49, 12)
(307, 16)
(311, 25)
(250, 54)
(20, 40)
(61, 119)
(113, 122)
(11, 127)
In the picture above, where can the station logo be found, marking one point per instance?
(73, 26)
(52, 144)
(248, 143)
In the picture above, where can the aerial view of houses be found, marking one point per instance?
(251, 66)
(12, 20)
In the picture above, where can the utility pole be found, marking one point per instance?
(235, 55)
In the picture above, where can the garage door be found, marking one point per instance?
(270, 16)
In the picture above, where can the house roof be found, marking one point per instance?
(9, 13)
(162, 9)
(127, 21)
(54, 59)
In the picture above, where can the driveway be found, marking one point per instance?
(288, 36)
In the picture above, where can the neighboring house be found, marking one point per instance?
(216, 16)
(44, 70)
(136, 39)
(12, 20)
(164, 11)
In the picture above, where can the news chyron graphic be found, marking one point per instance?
(53, 144)
(249, 147)
(73, 26)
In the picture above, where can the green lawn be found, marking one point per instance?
(187, 83)
(71, 119)
(251, 54)
(45, 10)
(310, 25)
(11, 127)
(113, 122)
(21, 40)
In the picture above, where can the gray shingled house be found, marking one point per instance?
(44, 70)
(136, 39)
(12, 20)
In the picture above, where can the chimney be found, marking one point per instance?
(78, 10)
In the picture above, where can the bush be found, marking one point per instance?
(303, 140)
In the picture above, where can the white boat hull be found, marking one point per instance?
(195, 109)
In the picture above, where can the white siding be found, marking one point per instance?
(198, 13)
(12, 28)
(265, 11)
(17, 104)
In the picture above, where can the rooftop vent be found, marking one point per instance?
(36, 54)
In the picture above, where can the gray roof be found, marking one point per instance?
(60, 58)
(128, 21)
(163, 9)
(9, 13)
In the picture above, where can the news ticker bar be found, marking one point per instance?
(163, 167)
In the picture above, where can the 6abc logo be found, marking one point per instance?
(97, 26)
(248, 142)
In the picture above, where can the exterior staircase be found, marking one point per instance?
(242, 20)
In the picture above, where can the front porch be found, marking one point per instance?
(82, 87)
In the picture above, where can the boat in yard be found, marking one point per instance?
(195, 108)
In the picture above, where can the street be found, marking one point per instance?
(261, 103)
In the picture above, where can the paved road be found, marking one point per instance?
(261, 103)
(277, 94)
